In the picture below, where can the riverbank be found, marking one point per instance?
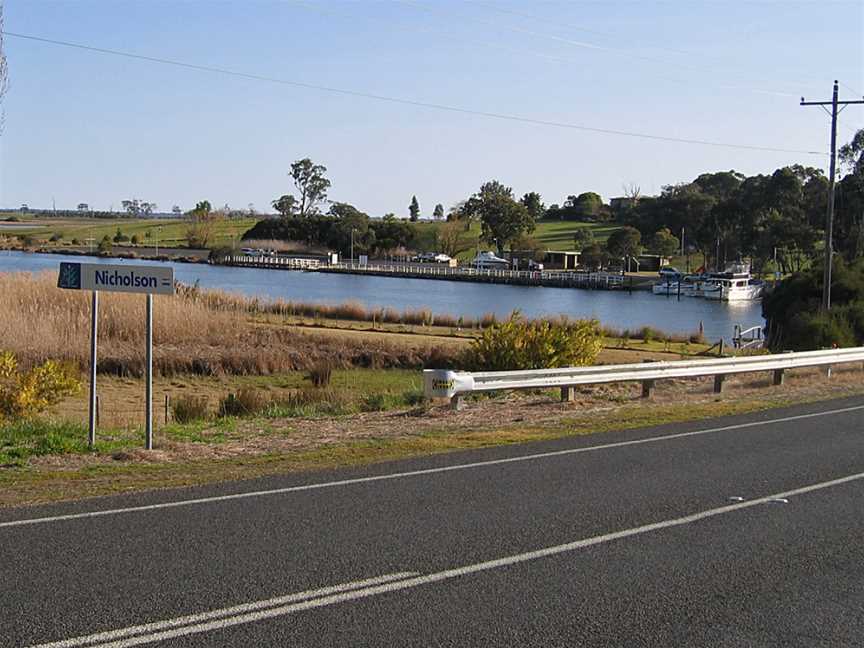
(614, 308)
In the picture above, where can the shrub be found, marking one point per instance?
(245, 402)
(105, 245)
(187, 409)
(75, 241)
(56, 236)
(320, 374)
(539, 344)
(135, 240)
(311, 402)
(26, 393)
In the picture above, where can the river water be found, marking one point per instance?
(617, 309)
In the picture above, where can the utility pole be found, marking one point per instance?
(829, 219)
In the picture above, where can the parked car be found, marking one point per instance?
(441, 258)
(669, 273)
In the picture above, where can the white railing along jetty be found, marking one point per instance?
(444, 383)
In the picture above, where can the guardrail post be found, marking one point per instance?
(568, 394)
(719, 379)
(828, 371)
(779, 377)
(457, 402)
(647, 389)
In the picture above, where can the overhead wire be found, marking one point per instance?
(410, 102)
(618, 51)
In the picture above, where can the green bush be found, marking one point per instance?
(187, 409)
(56, 236)
(245, 402)
(793, 310)
(538, 344)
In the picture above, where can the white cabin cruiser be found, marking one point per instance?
(734, 284)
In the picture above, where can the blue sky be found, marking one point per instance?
(82, 126)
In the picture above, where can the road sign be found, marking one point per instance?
(117, 278)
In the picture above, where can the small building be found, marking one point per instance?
(561, 260)
(646, 263)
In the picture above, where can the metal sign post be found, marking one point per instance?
(94, 319)
(119, 278)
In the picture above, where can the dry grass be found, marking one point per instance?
(195, 332)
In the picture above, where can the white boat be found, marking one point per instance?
(734, 284)
(665, 288)
(487, 260)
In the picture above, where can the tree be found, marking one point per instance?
(438, 214)
(624, 243)
(594, 257)
(414, 209)
(202, 222)
(583, 238)
(502, 219)
(344, 210)
(849, 200)
(176, 210)
(534, 205)
(105, 245)
(449, 238)
(285, 205)
(585, 206)
(132, 207)
(312, 184)
(664, 243)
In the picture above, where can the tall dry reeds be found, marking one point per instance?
(195, 332)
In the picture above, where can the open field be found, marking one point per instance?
(558, 235)
(169, 232)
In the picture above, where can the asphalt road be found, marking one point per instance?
(744, 531)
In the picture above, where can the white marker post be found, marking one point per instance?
(119, 278)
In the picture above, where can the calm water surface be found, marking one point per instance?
(615, 309)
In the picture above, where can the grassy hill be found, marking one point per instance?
(169, 232)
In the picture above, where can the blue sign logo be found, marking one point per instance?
(70, 276)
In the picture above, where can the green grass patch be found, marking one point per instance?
(20, 440)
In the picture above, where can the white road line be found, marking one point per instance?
(417, 473)
(113, 635)
(411, 582)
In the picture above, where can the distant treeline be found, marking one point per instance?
(335, 231)
(8, 214)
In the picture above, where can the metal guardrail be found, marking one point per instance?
(443, 383)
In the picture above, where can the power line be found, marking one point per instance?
(520, 52)
(618, 51)
(850, 89)
(412, 102)
(502, 10)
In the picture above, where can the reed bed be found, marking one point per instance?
(194, 333)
